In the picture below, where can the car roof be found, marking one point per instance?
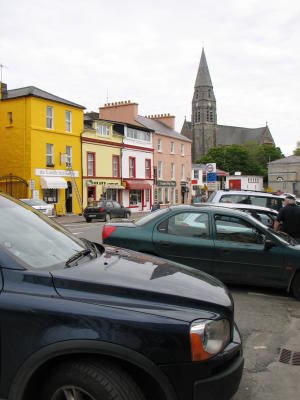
(249, 192)
(209, 207)
(239, 206)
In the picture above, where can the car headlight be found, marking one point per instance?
(208, 338)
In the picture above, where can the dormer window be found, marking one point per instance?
(102, 129)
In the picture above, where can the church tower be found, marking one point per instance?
(204, 113)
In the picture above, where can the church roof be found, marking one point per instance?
(287, 160)
(228, 135)
(160, 128)
(203, 76)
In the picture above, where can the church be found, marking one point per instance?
(203, 129)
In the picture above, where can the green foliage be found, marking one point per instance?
(297, 150)
(250, 159)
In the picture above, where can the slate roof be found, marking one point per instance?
(161, 128)
(203, 76)
(228, 135)
(286, 160)
(36, 92)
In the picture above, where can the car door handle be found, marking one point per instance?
(165, 244)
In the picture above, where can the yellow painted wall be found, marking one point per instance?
(104, 154)
(23, 143)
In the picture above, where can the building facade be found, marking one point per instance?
(40, 144)
(101, 160)
(203, 129)
(284, 175)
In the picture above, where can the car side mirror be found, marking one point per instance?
(269, 244)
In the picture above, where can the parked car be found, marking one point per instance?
(226, 243)
(105, 210)
(266, 215)
(261, 199)
(41, 206)
(79, 321)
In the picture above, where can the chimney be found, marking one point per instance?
(166, 119)
(122, 111)
(3, 90)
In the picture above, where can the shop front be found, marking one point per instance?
(106, 189)
(137, 194)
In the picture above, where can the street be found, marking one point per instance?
(269, 321)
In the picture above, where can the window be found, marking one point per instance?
(50, 196)
(235, 198)
(159, 170)
(173, 195)
(236, 230)
(159, 145)
(91, 164)
(116, 205)
(69, 156)
(68, 121)
(187, 224)
(172, 147)
(10, 118)
(111, 194)
(172, 171)
(116, 166)
(135, 197)
(182, 172)
(182, 149)
(196, 173)
(160, 197)
(167, 200)
(148, 169)
(139, 135)
(102, 129)
(50, 155)
(131, 167)
(50, 117)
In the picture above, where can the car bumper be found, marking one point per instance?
(215, 379)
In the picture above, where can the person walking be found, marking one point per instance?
(288, 218)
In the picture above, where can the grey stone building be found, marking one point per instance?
(284, 175)
(203, 129)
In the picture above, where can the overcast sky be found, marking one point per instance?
(149, 52)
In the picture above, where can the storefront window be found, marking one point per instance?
(111, 194)
(50, 195)
(135, 197)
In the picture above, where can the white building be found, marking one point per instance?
(244, 182)
(137, 168)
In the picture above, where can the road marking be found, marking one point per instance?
(259, 347)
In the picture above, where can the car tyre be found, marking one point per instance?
(127, 215)
(88, 380)
(296, 286)
(88, 220)
(107, 217)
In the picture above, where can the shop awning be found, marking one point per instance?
(136, 185)
(114, 187)
(53, 182)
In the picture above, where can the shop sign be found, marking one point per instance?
(55, 172)
(166, 183)
(212, 186)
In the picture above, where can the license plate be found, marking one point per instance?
(92, 215)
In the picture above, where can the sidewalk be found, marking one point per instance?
(75, 219)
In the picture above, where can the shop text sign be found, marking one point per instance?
(55, 172)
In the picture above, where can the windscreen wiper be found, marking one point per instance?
(77, 256)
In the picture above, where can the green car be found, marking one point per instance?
(226, 243)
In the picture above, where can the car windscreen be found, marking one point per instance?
(151, 216)
(33, 202)
(29, 237)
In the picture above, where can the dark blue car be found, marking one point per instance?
(80, 322)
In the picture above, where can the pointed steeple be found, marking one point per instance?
(203, 77)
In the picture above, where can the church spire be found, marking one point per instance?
(203, 77)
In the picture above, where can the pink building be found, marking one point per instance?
(172, 158)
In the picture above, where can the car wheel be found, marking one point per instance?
(88, 220)
(107, 217)
(127, 215)
(296, 286)
(87, 380)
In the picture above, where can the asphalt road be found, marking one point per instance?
(269, 320)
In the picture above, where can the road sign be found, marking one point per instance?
(212, 186)
(32, 184)
(211, 177)
(211, 167)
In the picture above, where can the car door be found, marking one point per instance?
(118, 210)
(109, 208)
(185, 237)
(240, 254)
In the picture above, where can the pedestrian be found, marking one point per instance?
(288, 218)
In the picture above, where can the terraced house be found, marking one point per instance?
(41, 147)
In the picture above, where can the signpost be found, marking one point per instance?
(211, 174)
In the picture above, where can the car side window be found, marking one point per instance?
(258, 201)
(116, 205)
(236, 230)
(235, 198)
(187, 224)
(109, 204)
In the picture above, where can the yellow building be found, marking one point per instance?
(101, 155)
(40, 147)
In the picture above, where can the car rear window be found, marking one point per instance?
(151, 216)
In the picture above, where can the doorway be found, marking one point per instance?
(69, 198)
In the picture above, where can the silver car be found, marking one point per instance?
(41, 206)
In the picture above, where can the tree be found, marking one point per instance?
(249, 159)
(297, 149)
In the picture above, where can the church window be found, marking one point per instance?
(198, 116)
(209, 93)
(211, 116)
(197, 94)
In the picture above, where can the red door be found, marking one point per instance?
(235, 184)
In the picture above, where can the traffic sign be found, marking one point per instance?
(211, 177)
(211, 167)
